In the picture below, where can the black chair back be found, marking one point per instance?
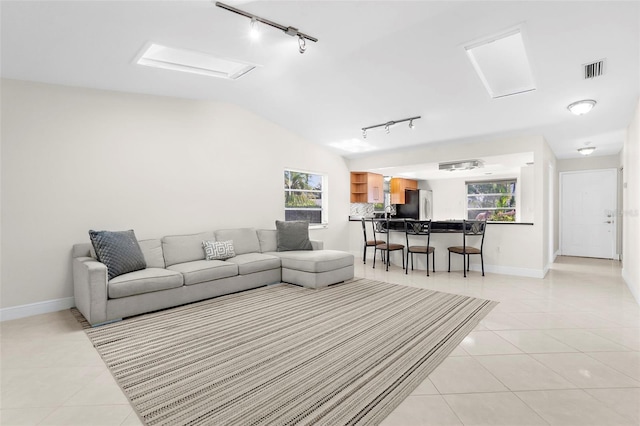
(381, 226)
(473, 228)
(417, 228)
(364, 230)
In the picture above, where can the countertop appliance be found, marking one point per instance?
(418, 205)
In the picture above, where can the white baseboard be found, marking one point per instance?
(22, 311)
(509, 270)
(633, 287)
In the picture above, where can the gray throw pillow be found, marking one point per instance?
(293, 235)
(218, 250)
(118, 250)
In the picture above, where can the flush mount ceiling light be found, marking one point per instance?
(461, 165)
(582, 107)
(193, 62)
(587, 150)
(388, 124)
(292, 31)
(502, 64)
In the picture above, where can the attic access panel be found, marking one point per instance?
(174, 59)
(502, 64)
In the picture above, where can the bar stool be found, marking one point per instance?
(470, 228)
(381, 226)
(418, 228)
(369, 243)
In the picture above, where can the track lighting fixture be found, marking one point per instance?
(302, 37)
(387, 126)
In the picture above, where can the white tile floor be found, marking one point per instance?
(564, 350)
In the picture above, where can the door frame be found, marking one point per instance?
(560, 215)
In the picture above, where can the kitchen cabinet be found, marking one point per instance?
(367, 187)
(397, 187)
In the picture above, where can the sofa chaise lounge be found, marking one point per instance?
(177, 272)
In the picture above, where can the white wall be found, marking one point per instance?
(505, 251)
(78, 159)
(631, 207)
(589, 163)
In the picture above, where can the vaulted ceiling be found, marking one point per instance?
(374, 62)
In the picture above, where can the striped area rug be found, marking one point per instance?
(282, 354)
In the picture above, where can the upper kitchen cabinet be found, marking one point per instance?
(367, 187)
(397, 188)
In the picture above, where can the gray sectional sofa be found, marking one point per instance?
(177, 272)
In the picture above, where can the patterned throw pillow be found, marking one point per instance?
(118, 250)
(218, 250)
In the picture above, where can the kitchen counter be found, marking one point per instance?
(398, 219)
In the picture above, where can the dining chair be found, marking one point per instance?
(419, 229)
(470, 228)
(367, 242)
(381, 226)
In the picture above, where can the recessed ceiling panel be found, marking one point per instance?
(502, 64)
(192, 62)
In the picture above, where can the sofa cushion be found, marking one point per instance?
(119, 250)
(184, 248)
(315, 260)
(255, 262)
(144, 281)
(293, 235)
(218, 250)
(200, 271)
(268, 240)
(152, 251)
(245, 240)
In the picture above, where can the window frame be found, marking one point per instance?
(513, 193)
(324, 196)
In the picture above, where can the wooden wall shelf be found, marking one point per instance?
(367, 187)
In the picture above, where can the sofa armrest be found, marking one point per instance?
(90, 288)
(317, 244)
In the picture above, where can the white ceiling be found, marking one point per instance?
(496, 166)
(374, 62)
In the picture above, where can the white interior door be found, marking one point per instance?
(588, 205)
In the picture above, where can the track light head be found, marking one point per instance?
(254, 33)
(411, 125)
(387, 128)
(302, 45)
(364, 133)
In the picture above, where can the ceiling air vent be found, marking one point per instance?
(594, 69)
(461, 165)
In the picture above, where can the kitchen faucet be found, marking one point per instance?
(387, 207)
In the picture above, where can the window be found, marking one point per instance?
(305, 196)
(492, 200)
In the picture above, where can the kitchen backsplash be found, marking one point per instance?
(366, 209)
(361, 209)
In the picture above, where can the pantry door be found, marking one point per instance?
(588, 201)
